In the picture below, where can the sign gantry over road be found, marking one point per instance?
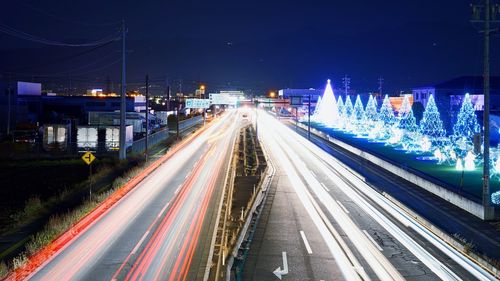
(88, 157)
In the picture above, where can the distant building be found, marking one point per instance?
(449, 95)
(29, 108)
(303, 93)
(19, 103)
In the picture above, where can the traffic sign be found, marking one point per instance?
(197, 103)
(88, 157)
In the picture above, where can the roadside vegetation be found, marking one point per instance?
(59, 223)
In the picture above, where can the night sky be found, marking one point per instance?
(257, 45)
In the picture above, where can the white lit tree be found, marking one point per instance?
(327, 111)
(387, 113)
(347, 114)
(466, 125)
(371, 112)
(431, 124)
(407, 121)
(408, 125)
(358, 116)
(314, 117)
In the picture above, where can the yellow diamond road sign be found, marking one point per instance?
(88, 157)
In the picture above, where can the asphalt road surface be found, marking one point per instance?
(162, 229)
(353, 232)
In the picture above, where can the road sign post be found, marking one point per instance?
(88, 158)
(90, 181)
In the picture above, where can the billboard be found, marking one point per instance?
(197, 103)
(29, 89)
(55, 136)
(112, 141)
(86, 137)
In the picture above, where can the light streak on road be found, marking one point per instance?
(343, 256)
(156, 226)
(297, 148)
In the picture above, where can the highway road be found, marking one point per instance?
(160, 230)
(365, 235)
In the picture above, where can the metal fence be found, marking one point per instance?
(139, 146)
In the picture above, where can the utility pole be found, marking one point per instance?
(9, 104)
(309, 118)
(123, 105)
(347, 85)
(490, 14)
(256, 102)
(147, 119)
(380, 84)
(177, 121)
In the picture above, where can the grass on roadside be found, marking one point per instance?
(60, 223)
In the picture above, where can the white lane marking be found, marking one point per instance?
(306, 243)
(373, 240)
(163, 210)
(140, 242)
(324, 186)
(343, 207)
(177, 190)
(313, 173)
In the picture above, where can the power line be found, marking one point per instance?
(62, 74)
(29, 37)
(60, 60)
(116, 23)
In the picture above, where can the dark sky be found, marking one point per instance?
(256, 45)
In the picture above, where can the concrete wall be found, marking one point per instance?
(450, 196)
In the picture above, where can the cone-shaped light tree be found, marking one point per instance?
(408, 124)
(371, 109)
(431, 124)
(407, 120)
(348, 107)
(328, 113)
(347, 114)
(466, 125)
(314, 117)
(358, 116)
(387, 113)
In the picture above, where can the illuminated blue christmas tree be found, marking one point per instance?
(408, 124)
(371, 109)
(358, 116)
(431, 124)
(407, 121)
(347, 114)
(466, 125)
(348, 107)
(387, 113)
(340, 105)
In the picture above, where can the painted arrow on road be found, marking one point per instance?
(280, 272)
